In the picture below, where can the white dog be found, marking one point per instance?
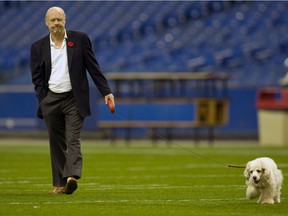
(263, 180)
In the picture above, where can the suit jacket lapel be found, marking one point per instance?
(69, 45)
(47, 57)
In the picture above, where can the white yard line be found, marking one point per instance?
(146, 201)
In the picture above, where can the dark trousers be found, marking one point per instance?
(64, 125)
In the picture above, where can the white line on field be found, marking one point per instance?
(202, 176)
(168, 201)
(14, 182)
(155, 187)
(24, 177)
(192, 176)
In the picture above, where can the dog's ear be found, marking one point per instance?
(266, 173)
(246, 172)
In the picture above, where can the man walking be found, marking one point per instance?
(59, 65)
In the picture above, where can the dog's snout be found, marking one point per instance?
(254, 177)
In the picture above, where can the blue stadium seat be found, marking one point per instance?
(245, 39)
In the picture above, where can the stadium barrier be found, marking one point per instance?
(19, 104)
(209, 99)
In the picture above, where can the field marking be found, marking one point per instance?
(156, 187)
(175, 167)
(30, 180)
(99, 187)
(145, 201)
(14, 182)
(192, 176)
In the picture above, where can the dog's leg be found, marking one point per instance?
(277, 198)
(252, 192)
(277, 195)
(279, 181)
(266, 201)
(266, 196)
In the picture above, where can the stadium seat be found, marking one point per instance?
(245, 39)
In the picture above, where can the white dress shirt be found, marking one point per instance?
(59, 81)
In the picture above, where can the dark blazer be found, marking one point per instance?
(80, 59)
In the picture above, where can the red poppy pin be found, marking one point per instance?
(70, 44)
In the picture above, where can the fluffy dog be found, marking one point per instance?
(263, 180)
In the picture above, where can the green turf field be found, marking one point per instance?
(137, 180)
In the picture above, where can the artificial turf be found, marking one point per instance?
(139, 179)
